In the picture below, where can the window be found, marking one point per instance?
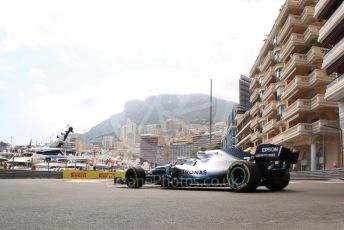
(278, 74)
(262, 124)
(281, 110)
(279, 92)
(260, 67)
(277, 57)
(275, 41)
(260, 79)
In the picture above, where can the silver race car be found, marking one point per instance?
(239, 170)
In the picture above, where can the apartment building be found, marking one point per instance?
(244, 92)
(288, 87)
(229, 138)
(179, 150)
(237, 113)
(149, 148)
(331, 35)
(203, 140)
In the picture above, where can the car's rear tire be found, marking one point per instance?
(135, 177)
(243, 176)
(277, 183)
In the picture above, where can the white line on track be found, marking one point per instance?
(317, 182)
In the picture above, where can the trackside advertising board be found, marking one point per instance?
(77, 174)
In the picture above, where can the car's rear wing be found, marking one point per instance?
(270, 152)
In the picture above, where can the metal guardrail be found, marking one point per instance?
(21, 174)
(318, 174)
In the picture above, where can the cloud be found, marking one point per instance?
(37, 73)
(5, 65)
(40, 88)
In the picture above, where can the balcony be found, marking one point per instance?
(245, 128)
(335, 90)
(254, 122)
(326, 127)
(325, 8)
(255, 109)
(270, 108)
(297, 24)
(321, 127)
(254, 83)
(309, 105)
(290, 7)
(299, 83)
(269, 126)
(300, 63)
(329, 31)
(270, 92)
(294, 7)
(267, 61)
(278, 66)
(333, 60)
(243, 141)
(254, 95)
(254, 136)
(268, 77)
(276, 49)
(279, 84)
(298, 41)
(316, 54)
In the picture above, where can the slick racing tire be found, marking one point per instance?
(175, 183)
(243, 176)
(277, 183)
(165, 182)
(135, 177)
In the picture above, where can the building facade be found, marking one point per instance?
(229, 137)
(128, 132)
(108, 142)
(149, 148)
(331, 35)
(288, 92)
(203, 140)
(237, 114)
(179, 150)
(244, 92)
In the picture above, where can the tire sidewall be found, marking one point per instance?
(252, 176)
(234, 167)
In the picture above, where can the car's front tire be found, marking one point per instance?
(243, 176)
(135, 177)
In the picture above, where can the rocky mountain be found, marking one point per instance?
(192, 108)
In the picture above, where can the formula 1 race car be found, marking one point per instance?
(241, 171)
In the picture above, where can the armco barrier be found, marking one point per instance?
(20, 174)
(77, 174)
(318, 174)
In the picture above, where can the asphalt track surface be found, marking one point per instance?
(66, 204)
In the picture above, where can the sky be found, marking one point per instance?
(78, 62)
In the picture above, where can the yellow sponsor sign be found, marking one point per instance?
(77, 174)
